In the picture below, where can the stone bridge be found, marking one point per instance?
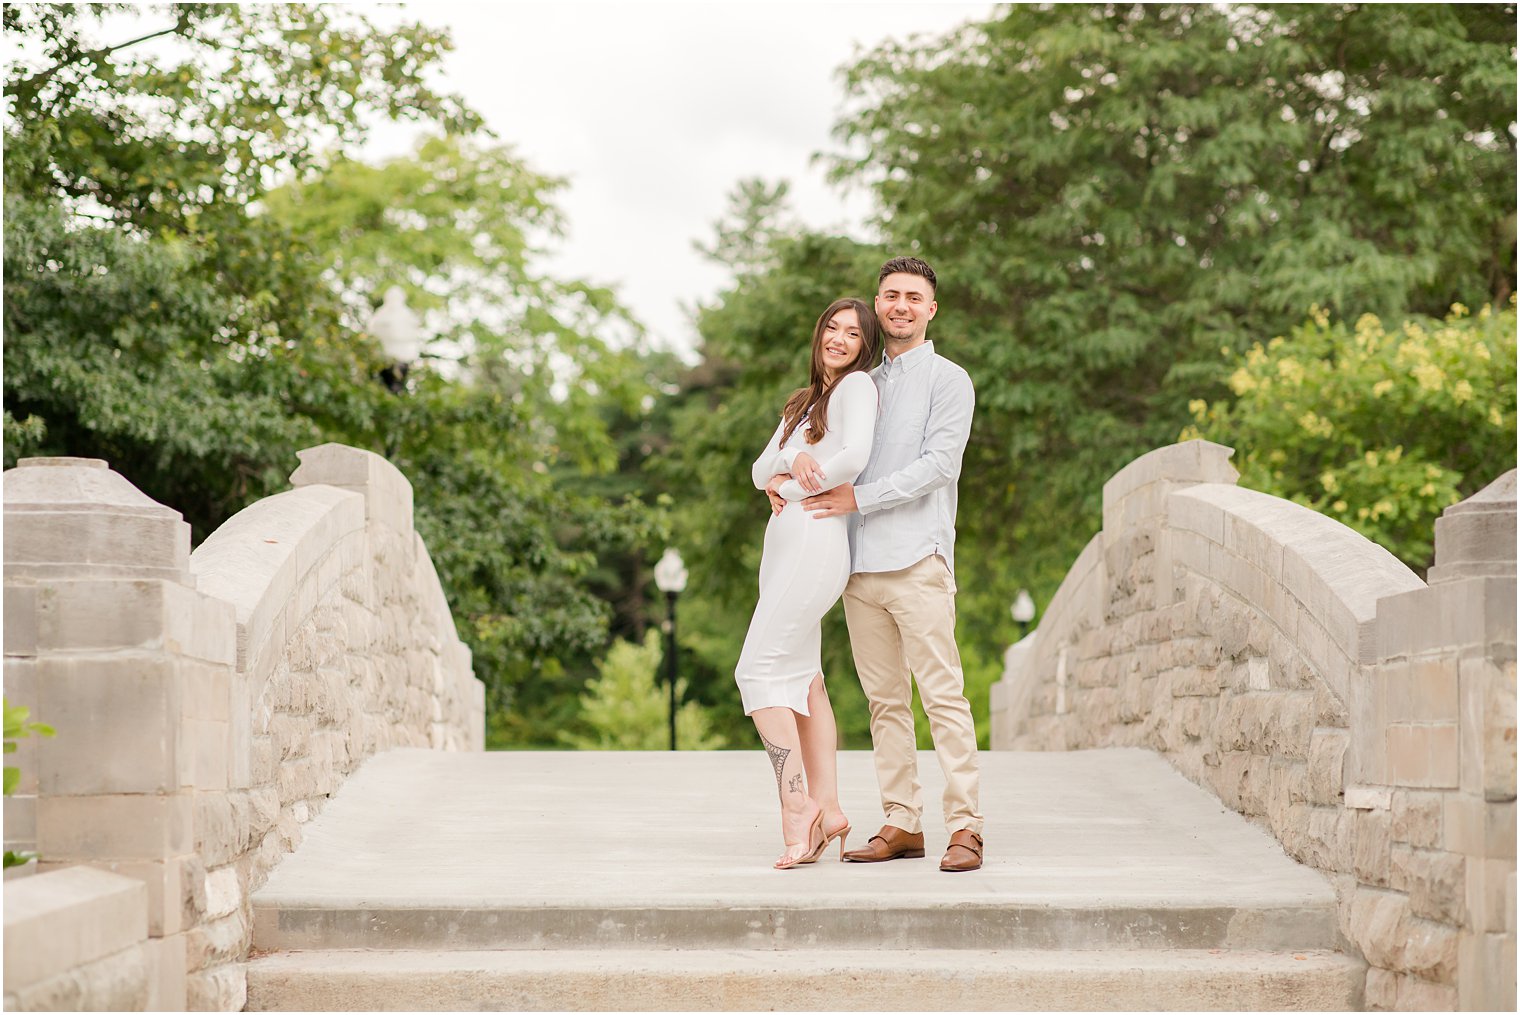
(207, 705)
(1248, 760)
(1313, 683)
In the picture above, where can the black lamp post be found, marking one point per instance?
(670, 578)
(1023, 611)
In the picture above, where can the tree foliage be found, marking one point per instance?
(1381, 429)
(190, 110)
(153, 317)
(624, 708)
(1111, 193)
(460, 225)
(498, 453)
(18, 725)
(187, 277)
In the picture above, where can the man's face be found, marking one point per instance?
(905, 305)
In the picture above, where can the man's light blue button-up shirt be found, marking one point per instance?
(906, 496)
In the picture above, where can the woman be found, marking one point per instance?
(823, 440)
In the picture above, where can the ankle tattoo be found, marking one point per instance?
(778, 757)
(794, 784)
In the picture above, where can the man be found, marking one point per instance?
(900, 601)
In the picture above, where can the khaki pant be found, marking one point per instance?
(903, 622)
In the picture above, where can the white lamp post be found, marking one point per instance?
(1023, 611)
(670, 578)
(399, 330)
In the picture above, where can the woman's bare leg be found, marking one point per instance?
(819, 737)
(778, 731)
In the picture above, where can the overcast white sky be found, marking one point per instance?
(654, 111)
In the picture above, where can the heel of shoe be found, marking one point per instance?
(914, 854)
(842, 837)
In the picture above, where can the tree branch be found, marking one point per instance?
(33, 83)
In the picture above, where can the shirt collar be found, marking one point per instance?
(908, 360)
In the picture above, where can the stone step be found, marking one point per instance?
(879, 926)
(1088, 849)
(526, 850)
(819, 980)
(543, 880)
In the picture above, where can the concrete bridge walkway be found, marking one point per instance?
(438, 880)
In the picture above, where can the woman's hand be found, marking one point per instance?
(808, 473)
(777, 501)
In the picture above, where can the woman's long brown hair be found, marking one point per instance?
(817, 393)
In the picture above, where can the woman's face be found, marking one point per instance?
(841, 341)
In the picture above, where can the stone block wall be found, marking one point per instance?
(208, 704)
(1315, 685)
(77, 940)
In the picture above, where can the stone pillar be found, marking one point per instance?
(1475, 550)
(108, 641)
(386, 491)
(1433, 772)
(1476, 538)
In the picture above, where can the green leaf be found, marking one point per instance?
(13, 859)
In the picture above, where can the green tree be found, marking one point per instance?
(1381, 429)
(626, 709)
(505, 439)
(118, 347)
(153, 317)
(460, 225)
(186, 133)
(172, 309)
(1112, 193)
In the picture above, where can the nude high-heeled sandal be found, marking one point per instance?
(810, 857)
(841, 835)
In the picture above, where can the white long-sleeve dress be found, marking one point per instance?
(806, 560)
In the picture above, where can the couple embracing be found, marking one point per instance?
(861, 473)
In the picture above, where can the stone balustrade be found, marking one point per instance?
(207, 704)
(1317, 686)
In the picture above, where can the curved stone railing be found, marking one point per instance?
(207, 704)
(1317, 686)
(331, 580)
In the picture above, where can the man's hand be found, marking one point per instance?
(838, 501)
(777, 501)
(808, 474)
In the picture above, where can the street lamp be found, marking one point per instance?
(1023, 611)
(399, 330)
(670, 578)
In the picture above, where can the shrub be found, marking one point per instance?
(16, 727)
(1379, 428)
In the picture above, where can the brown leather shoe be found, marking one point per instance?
(889, 844)
(965, 852)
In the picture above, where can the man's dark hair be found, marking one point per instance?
(911, 265)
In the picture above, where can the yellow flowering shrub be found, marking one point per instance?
(1379, 426)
